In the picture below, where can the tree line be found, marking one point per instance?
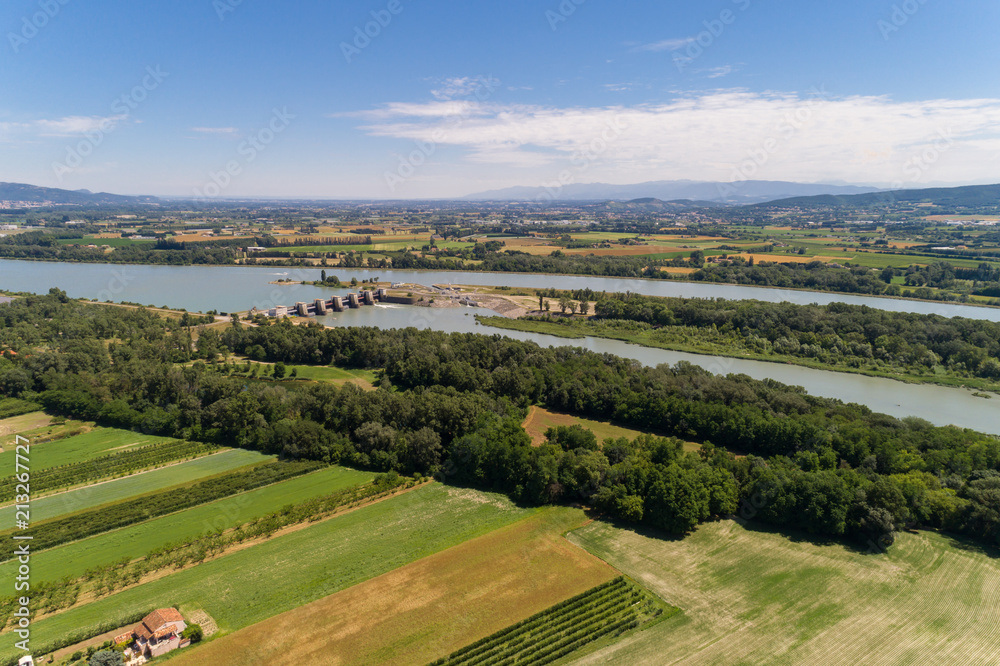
(452, 405)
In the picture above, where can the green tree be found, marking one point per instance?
(194, 632)
(697, 259)
(279, 370)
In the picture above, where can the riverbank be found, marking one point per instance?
(578, 328)
(974, 302)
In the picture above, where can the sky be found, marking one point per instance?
(396, 99)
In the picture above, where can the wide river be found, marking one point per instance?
(201, 288)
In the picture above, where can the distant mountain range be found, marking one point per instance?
(41, 195)
(745, 192)
(969, 195)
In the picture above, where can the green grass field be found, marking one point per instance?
(264, 580)
(322, 248)
(134, 541)
(753, 596)
(86, 446)
(111, 491)
(321, 373)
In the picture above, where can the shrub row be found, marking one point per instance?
(105, 518)
(81, 635)
(108, 466)
(15, 407)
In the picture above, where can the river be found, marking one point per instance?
(201, 288)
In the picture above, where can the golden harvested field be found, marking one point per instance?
(539, 420)
(627, 250)
(427, 609)
(752, 596)
(677, 270)
(23, 423)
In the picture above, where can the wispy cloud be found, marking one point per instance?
(462, 86)
(719, 72)
(708, 136)
(665, 45)
(72, 125)
(215, 130)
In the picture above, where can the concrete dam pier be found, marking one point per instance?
(325, 306)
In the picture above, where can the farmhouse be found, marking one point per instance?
(157, 634)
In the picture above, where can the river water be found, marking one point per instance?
(224, 288)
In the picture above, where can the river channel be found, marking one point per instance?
(201, 288)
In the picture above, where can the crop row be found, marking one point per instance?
(606, 610)
(105, 518)
(547, 638)
(112, 465)
(566, 608)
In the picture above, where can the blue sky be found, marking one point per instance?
(250, 98)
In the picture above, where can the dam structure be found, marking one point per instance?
(322, 306)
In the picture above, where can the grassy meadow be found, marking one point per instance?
(753, 596)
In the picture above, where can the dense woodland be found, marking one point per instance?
(840, 334)
(451, 405)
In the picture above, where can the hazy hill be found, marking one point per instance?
(966, 196)
(35, 194)
(745, 192)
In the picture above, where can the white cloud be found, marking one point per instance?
(665, 45)
(215, 130)
(721, 135)
(71, 125)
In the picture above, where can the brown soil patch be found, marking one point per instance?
(23, 423)
(539, 420)
(426, 609)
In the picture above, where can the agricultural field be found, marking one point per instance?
(77, 448)
(264, 580)
(73, 559)
(339, 376)
(539, 420)
(750, 595)
(105, 492)
(429, 608)
(21, 425)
